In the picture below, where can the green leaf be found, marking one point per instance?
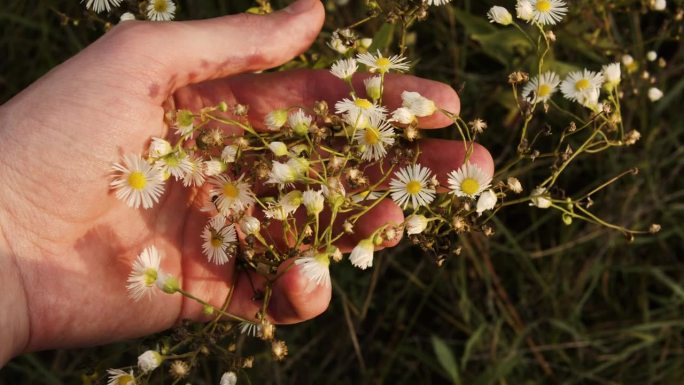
(504, 45)
(472, 342)
(383, 38)
(474, 24)
(446, 358)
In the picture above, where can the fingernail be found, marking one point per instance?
(300, 6)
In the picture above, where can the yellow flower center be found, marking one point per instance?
(543, 5)
(230, 190)
(413, 187)
(160, 6)
(137, 180)
(582, 84)
(216, 242)
(383, 63)
(470, 186)
(363, 103)
(125, 380)
(371, 136)
(544, 90)
(150, 276)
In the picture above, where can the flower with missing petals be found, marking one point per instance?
(487, 201)
(411, 184)
(344, 68)
(141, 281)
(137, 182)
(541, 88)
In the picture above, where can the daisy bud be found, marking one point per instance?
(486, 201)
(167, 283)
(514, 185)
(228, 378)
(278, 148)
(362, 255)
(403, 115)
(313, 201)
(214, 167)
(249, 225)
(524, 10)
(184, 122)
(149, 361)
(228, 154)
(612, 73)
(373, 87)
(500, 15)
(276, 119)
(159, 148)
(416, 224)
(651, 56)
(208, 310)
(366, 42)
(299, 122)
(299, 165)
(654, 94)
(338, 45)
(281, 173)
(127, 16)
(418, 104)
(540, 198)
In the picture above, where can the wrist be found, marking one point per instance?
(14, 319)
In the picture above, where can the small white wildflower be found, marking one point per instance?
(149, 361)
(300, 122)
(176, 163)
(542, 87)
(540, 198)
(228, 154)
(291, 201)
(344, 68)
(315, 266)
(195, 176)
(416, 224)
(468, 181)
(403, 115)
(436, 2)
(381, 64)
(411, 184)
(514, 185)
(373, 87)
(102, 5)
(374, 138)
(126, 16)
(499, 15)
(581, 84)
(359, 108)
(230, 195)
(418, 104)
(228, 378)
(487, 201)
(161, 10)
(144, 274)
(654, 94)
(366, 42)
(214, 167)
(275, 119)
(159, 147)
(185, 122)
(313, 201)
(281, 174)
(278, 148)
(651, 56)
(548, 12)
(337, 44)
(138, 183)
(524, 10)
(120, 377)
(658, 5)
(218, 237)
(612, 73)
(362, 254)
(249, 225)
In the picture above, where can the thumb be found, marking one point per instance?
(194, 51)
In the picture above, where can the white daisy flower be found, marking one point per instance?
(300, 122)
(540, 198)
(229, 153)
(654, 94)
(120, 377)
(416, 224)
(374, 138)
(230, 195)
(344, 68)
(487, 201)
(548, 12)
(316, 268)
(612, 73)
(313, 201)
(195, 176)
(382, 64)
(102, 5)
(143, 276)
(176, 163)
(418, 104)
(403, 115)
(275, 119)
(278, 148)
(160, 10)
(468, 181)
(159, 147)
(362, 254)
(373, 86)
(524, 10)
(579, 84)
(217, 238)
(499, 15)
(228, 378)
(541, 88)
(359, 108)
(149, 361)
(249, 225)
(138, 183)
(411, 184)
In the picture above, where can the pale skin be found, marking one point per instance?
(66, 243)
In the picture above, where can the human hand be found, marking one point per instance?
(68, 243)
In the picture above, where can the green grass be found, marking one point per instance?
(537, 303)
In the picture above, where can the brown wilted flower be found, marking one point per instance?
(279, 350)
(478, 126)
(654, 228)
(514, 185)
(632, 137)
(179, 369)
(518, 77)
(240, 110)
(267, 330)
